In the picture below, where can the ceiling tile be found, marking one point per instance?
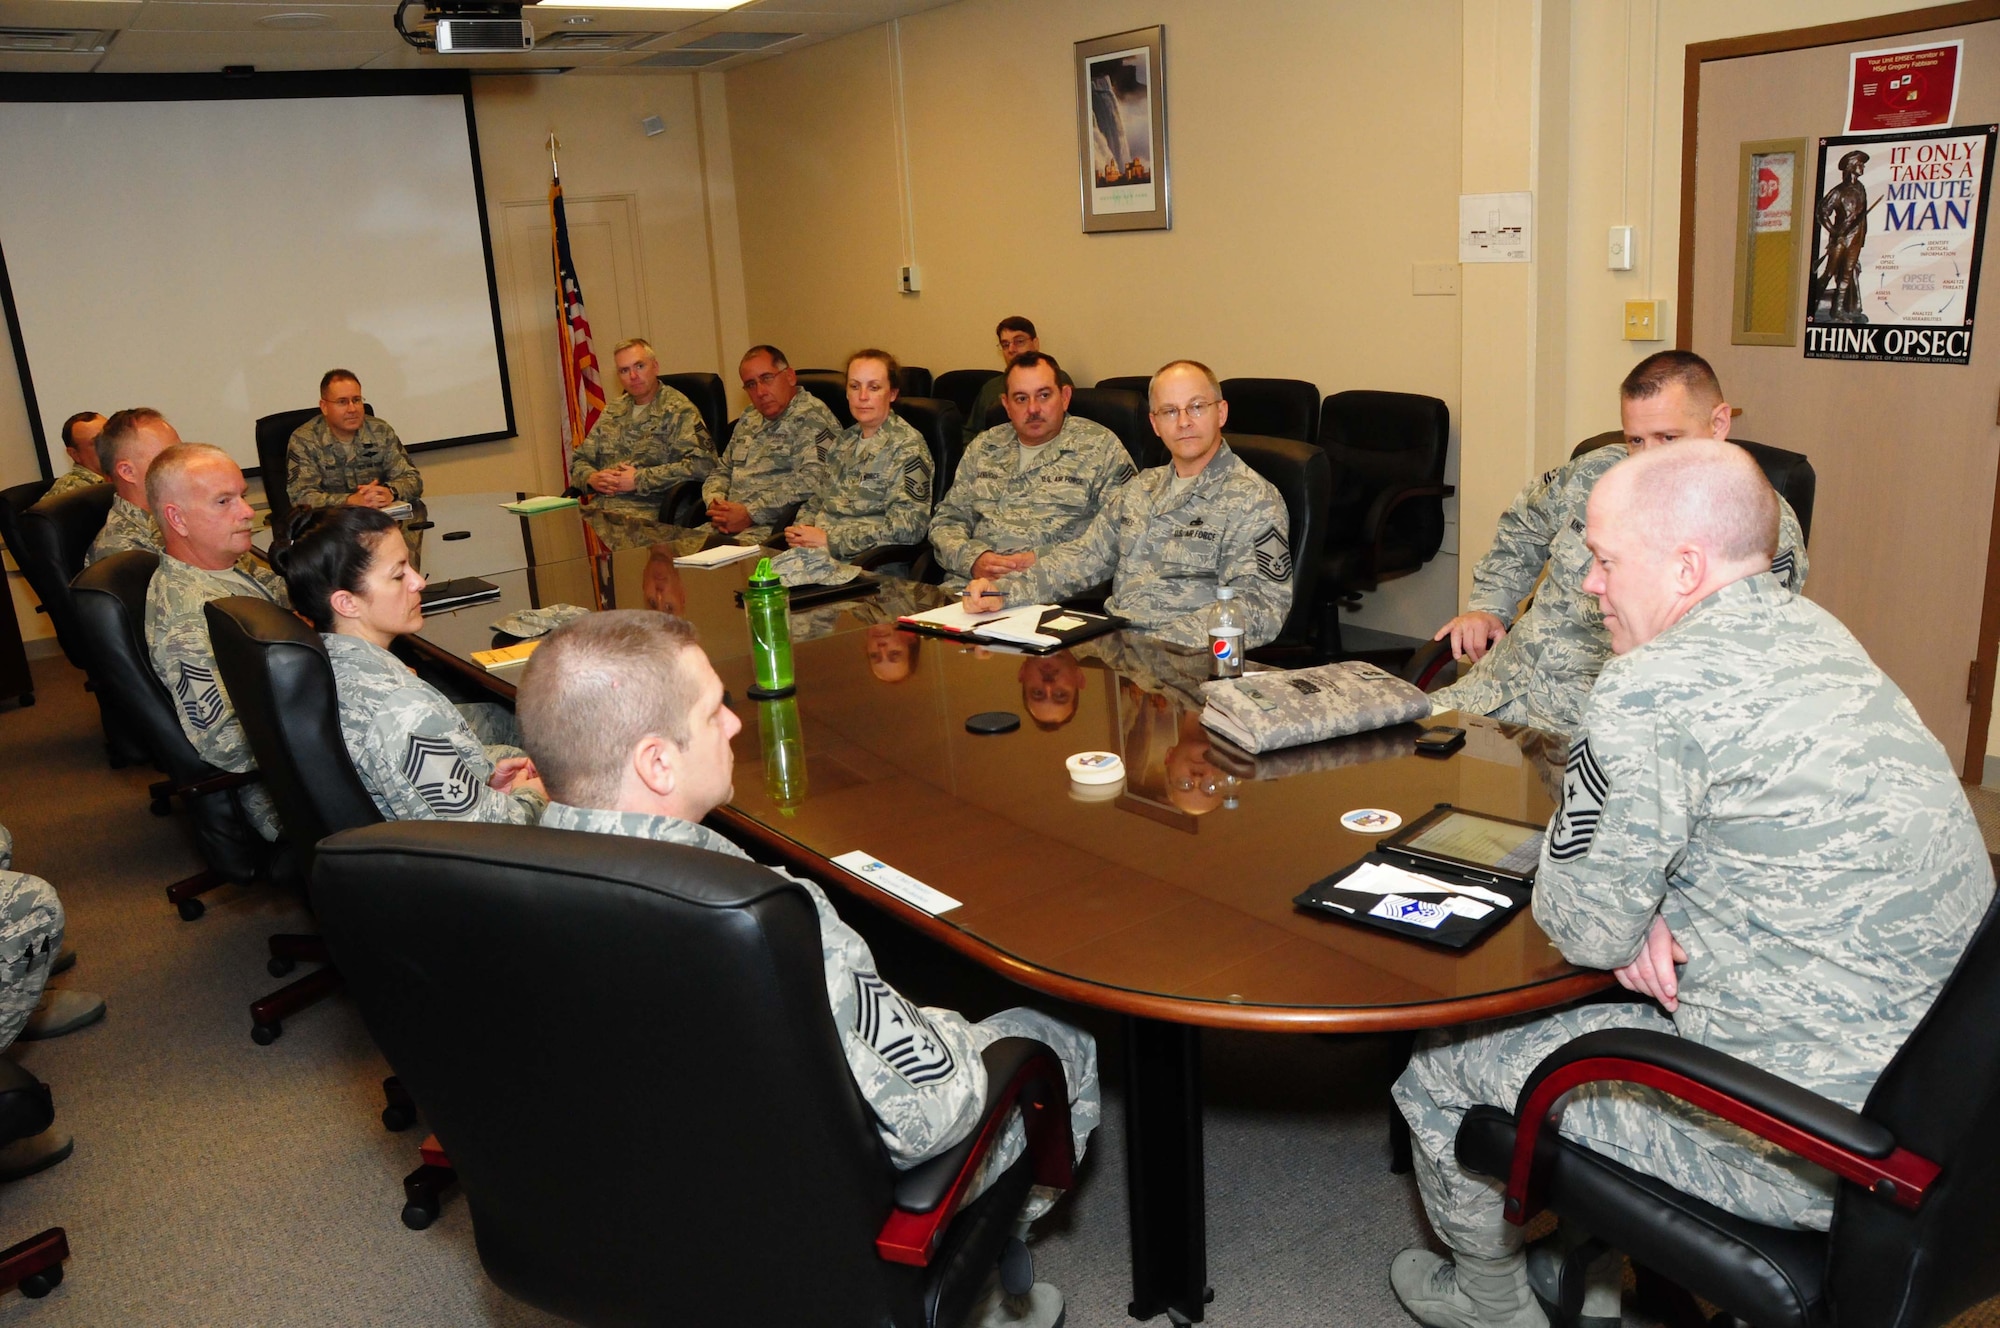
(68, 13)
(156, 17)
(62, 62)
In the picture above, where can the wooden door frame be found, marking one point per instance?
(1840, 34)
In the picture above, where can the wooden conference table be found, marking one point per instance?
(1168, 902)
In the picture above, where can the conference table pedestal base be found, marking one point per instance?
(1163, 1170)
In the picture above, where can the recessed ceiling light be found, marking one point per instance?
(294, 22)
(642, 4)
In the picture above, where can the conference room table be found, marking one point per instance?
(1167, 899)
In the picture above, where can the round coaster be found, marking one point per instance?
(993, 721)
(1370, 821)
(1096, 768)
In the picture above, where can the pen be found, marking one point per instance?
(996, 594)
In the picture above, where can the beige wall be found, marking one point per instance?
(676, 187)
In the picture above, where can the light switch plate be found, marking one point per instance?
(1433, 278)
(1620, 253)
(1644, 320)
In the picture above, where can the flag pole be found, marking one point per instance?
(555, 144)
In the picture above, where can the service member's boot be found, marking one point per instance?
(37, 1152)
(61, 1011)
(1603, 1277)
(1468, 1293)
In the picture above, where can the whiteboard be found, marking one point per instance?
(212, 258)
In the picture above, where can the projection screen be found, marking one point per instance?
(212, 250)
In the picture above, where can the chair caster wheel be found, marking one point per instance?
(265, 1034)
(37, 1285)
(192, 909)
(418, 1216)
(280, 965)
(397, 1119)
(160, 807)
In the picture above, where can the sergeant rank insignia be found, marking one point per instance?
(1584, 787)
(1274, 554)
(440, 775)
(898, 1032)
(199, 695)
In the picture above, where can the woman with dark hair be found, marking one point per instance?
(421, 757)
(874, 484)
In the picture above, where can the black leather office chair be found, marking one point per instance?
(913, 380)
(943, 432)
(26, 1108)
(1300, 473)
(1273, 407)
(756, 1192)
(1386, 519)
(830, 386)
(110, 597)
(1913, 1241)
(281, 683)
(49, 539)
(274, 432)
(1124, 413)
(710, 397)
(1790, 473)
(961, 387)
(1140, 383)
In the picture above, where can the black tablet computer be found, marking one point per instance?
(1471, 842)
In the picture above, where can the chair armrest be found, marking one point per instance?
(882, 554)
(1426, 662)
(1797, 1119)
(1389, 500)
(682, 505)
(1019, 1072)
(201, 788)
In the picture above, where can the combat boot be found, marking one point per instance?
(1602, 1271)
(1468, 1293)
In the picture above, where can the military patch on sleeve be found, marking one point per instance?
(822, 447)
(898, 1032)
(1584, 788)
(1274, 554)
(199, 696)
(440, 776)
(1785, 564)
(916, 485)
(1126, 470)
(1549, 477)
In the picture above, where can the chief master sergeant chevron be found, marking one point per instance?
(1749, 797)
(1540, 671)
(1170, 536)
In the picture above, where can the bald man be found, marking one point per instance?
(1756, 832)
(197, 493)
(126, 446)
(79, 435)
(1539, 670)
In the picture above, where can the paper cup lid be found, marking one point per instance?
(1096, 768)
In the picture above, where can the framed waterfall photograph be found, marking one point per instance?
(1121, 131)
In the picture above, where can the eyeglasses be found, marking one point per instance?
(761, 380)
(1195, 410)
(342, 401)
(1013, 345)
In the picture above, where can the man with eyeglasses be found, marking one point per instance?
(644, 443)
(1016, 337)
(1028, 485)
(761, 476)
(1169, 538)
(347, 455)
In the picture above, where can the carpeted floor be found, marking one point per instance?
(216, 1182)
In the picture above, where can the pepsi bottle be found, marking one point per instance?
(1225, 634)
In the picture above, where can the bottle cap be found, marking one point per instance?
(1096, 768)
(1225, 592)
(762, 575)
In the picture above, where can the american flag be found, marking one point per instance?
(583, 392)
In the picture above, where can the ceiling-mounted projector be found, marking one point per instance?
(466, 27)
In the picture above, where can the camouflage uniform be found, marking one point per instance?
(126, 526)
(418, 755)
(996, 502)
(1541, 671)
(664, 438)
(177, 635)
(1166, 556)
(322, 471)
(1751, 777)
(31, 932)
(74, 480)
(925, 1088)
(764, 466)
(870, 491)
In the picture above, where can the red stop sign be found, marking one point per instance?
(1767, 187)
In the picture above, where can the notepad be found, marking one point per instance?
(1020, 626)
(531, 506)
(719, 556)
(506, 657)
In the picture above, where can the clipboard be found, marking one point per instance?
(1076, 626)
(1456, 932)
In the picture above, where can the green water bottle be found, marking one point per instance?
(784, 753)
(769, 607)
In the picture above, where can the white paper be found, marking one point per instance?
(890, 881)
(718, 556)
(1020, 625)
(1495, 228)
(1379, 878)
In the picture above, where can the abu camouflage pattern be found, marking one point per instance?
(322, 471)
(870, 491)
(665, 439)
(765, 465)
(997, 504)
